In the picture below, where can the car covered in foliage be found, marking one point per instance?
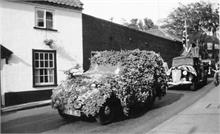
(187, 71)
(118, 81)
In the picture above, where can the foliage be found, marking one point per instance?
(96, 100)
(49, 42)
(200, 17)
(142, 25)
(72, 72)
(74, 90)
(141, 72)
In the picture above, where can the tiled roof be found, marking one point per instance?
(64, 3)
(164, 34)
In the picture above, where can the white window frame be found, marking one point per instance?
(44, 19)
(38, 77)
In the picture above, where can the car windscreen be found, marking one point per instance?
(105, 68)
(182, 61)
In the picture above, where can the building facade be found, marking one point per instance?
(39, 41)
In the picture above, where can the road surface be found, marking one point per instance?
(46, 120)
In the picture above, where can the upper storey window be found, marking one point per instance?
(44, 18)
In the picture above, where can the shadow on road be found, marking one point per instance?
(48, 121)
(187, 87)
(33, 124)
(168, 99)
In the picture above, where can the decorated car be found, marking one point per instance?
(118, 81)
(187, 71)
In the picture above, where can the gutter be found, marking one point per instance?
(25, 106)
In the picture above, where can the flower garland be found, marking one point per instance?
(141, 73)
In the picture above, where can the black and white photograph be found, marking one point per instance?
(110, 66)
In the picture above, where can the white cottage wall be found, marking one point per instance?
(19, 35)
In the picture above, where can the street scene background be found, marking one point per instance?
(78, 45)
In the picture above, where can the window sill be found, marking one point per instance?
(55, 85)
(47, 29)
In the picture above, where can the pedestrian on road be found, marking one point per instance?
(217, 75)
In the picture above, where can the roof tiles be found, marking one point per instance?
(65, 3)
(73, 3)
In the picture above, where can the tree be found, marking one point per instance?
(133, 24)
(201, 17)
(142, 25)
(202, 20)
(148, 24)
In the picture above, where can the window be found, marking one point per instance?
(44, 68)
(44, 18)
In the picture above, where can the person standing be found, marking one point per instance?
(217, 75)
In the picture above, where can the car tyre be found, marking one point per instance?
(106, 114)
(193, 86)
(205, 81)
(151, 99)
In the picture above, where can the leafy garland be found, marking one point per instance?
(141, 73)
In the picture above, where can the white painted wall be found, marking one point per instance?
(19, 36)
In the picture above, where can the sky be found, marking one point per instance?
(124, 10)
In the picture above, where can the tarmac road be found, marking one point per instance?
(46, 120)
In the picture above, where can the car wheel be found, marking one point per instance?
(193, 86)
(106, 114)
(151, 99)
(205, 81)
(149, 103)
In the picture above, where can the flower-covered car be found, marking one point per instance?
(187, 71)
(118, 81)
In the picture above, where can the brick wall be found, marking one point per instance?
(99, 35)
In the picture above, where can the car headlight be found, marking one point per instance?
(56, 103)
(93, 85)
(183, 79)
(190, 78)
(184, 72)
(77, 104)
